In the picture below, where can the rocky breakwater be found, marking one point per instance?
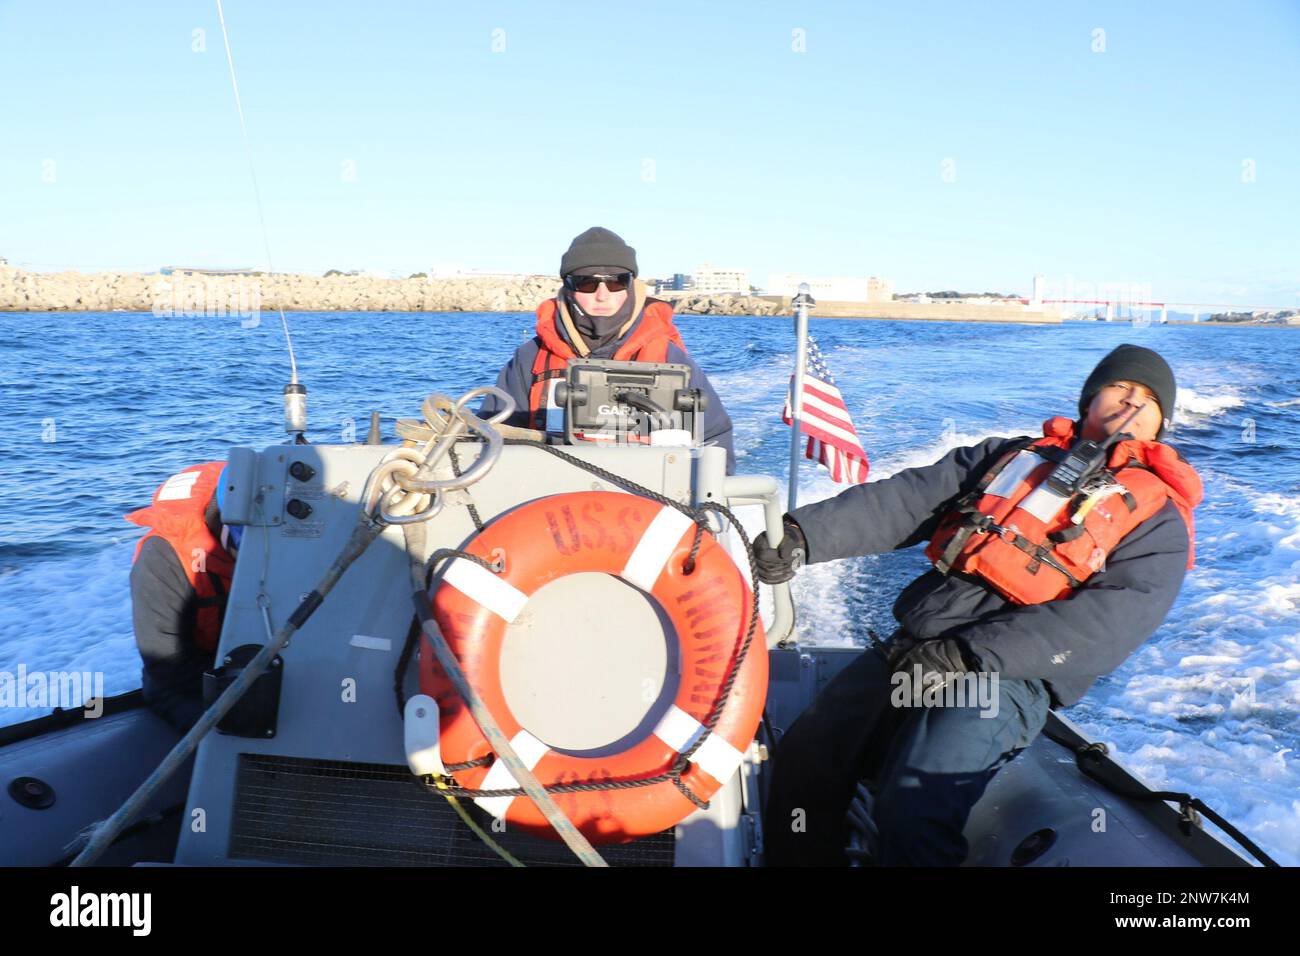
(243, 294)
(724, 305)
(189, 293)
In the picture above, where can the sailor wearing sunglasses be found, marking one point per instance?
(601, 311)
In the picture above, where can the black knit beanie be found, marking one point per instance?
(1133, 363)
(598, 247)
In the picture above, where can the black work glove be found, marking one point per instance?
(897, 648)
(944, 657)
(778, 565)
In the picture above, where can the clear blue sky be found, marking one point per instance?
(1117, 166)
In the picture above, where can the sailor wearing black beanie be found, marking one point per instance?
(1133, 363)
(601, 311)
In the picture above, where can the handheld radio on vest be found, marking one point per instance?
(1085, 458)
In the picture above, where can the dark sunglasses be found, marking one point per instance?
(614, 283)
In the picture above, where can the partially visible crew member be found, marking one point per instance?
(179, 582)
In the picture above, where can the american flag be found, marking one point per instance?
(832, 439)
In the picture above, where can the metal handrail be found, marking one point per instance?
(763, 489)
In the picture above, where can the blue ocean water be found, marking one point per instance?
(100, 407)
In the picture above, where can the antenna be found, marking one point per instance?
(1119, 433)
(295, 394)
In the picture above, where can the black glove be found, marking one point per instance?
(897, 648)
(778, 565)
(944, 657)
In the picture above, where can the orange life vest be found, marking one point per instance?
(1030, 545)
(649, 343)
(177, 516)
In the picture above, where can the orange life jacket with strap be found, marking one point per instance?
(178, 516)
(648, 343)
(1031, 545)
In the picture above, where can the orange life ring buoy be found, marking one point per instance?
(646, 544)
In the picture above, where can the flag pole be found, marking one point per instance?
(801, 303)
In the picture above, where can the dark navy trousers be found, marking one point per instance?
(926, 766)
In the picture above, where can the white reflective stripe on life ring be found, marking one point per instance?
(655, 547)
(528, 749)
(479, 584)
(716, 756)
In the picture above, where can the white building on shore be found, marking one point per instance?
(709, 279)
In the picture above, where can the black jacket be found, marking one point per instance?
(516, 379)
(1067, 643)
(163, 609)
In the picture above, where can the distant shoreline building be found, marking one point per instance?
(680, 282)
(200, 271)
(709, 279)
(457, 270)
(834, 289)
